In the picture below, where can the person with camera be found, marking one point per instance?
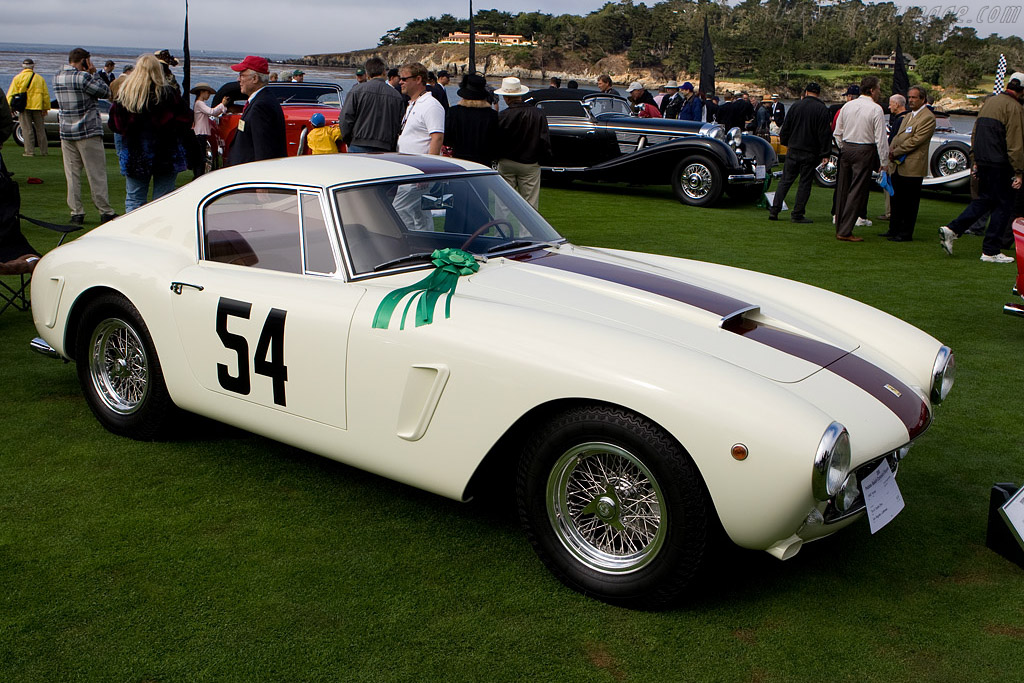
(81, 133)
(30, 100)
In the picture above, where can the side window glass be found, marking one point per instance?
(258, 228)
(316, 241)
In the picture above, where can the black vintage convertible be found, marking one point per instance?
(597, 138)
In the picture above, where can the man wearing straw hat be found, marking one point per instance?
(524, 141)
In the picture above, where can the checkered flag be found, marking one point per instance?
(1000, 75)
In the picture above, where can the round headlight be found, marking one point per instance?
(715, 131)
(831, 462)
(735, 137)
(943, 374)
(848, 494)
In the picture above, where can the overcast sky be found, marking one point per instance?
(247, 26)
(315, 26)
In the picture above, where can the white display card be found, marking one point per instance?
(1013, 512)
(882, 496)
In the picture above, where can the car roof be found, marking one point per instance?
(335, 169)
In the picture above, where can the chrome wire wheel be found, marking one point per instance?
(697, 181)
(606, 508)
(952, 161)
(828, 171)
(118, 366)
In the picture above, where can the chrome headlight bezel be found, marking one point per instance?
(735, 136)
(943, 374)
(831, 462)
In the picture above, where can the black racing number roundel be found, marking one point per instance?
(269, 357)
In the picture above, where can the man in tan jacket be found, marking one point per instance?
(908, 154)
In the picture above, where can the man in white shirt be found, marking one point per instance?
(422, 133)
(860, 133)
(423, 123)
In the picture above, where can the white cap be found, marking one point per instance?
(635, 85)
(1018, 75)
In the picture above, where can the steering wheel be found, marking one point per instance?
(489, 224)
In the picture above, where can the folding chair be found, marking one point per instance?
(17, 256)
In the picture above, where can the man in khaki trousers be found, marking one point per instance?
(81, 133)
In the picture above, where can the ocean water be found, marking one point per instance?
(211, 66)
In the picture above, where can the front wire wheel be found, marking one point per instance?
(606, 507)
(698, 181)
(615, 507)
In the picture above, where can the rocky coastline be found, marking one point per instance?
(538, 65)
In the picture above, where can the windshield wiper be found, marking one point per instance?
(419, 256)
(515, 244)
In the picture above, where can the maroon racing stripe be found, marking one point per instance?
(870, 378)
(427, 163)
(908, 406)
(699, 297)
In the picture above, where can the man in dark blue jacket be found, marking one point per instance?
(261, 130)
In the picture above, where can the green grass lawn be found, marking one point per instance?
(224, 556)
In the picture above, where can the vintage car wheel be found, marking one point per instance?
(827, 174)
(950, 159)
(698, 181)
(119, 370)
(19, 134)
(614, 507)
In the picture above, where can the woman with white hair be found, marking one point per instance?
(149, 115)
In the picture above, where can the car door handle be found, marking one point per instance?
(176, 287)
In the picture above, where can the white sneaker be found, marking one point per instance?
(863, 223)
(997, 258)
(946, 238)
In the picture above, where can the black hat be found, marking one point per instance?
(165, 57)
(853, 90)
(473, 87)
(813, 87)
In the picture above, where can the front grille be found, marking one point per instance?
(833, 514)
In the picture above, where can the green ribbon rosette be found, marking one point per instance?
(450, 264)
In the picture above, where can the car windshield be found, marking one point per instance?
(307, 94)
(396, 225)
(608, 105)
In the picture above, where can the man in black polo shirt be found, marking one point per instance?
(807, 134)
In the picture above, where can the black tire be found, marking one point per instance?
(19, 134)
(119, 370)
(950, 159)
(827, 175)
(698, 180)
(637, 542)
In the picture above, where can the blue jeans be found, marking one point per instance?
(360, 149)
(137, 189)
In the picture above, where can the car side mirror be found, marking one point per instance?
(430, 202)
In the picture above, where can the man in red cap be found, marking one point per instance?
(261, 130)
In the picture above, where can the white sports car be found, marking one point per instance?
(414, 317)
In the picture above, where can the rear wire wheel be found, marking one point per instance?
(615, 507)
(119, 371)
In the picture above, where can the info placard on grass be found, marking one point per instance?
(882, 496)
(1013, 512)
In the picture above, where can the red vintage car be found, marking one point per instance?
(299, 101)
(1018, 288)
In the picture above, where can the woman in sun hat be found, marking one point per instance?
(203, 118)
(149, 115)
(471, 126)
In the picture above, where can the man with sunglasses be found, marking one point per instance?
(423, 123)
